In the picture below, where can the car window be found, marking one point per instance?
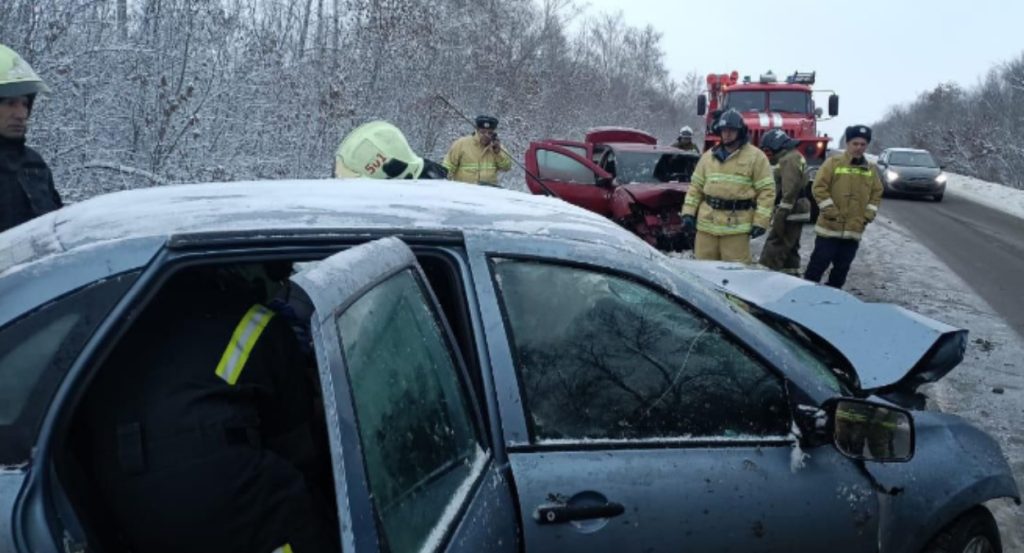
(654, 167)
(416, 425)
(35, 353)
(748, 100)
(789, 101)
(603, 357)
(912, 159)
(556, 166)
(578, 150)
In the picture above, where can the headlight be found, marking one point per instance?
(891, 175)
(941, 179)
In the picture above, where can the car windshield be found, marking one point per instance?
(653, 167)
(912, 159)
(790, 101)
(745, 100)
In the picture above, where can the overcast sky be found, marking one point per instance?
(874, 53)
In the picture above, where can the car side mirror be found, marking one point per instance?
(605, 182)
(870, 431)
(942, 167)
(833, 105)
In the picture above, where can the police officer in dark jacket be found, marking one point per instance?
(205, 426)
(26, 185)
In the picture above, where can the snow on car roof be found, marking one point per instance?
(637, 147)
(905, 150)
(305, 205)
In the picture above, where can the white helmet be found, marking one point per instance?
(686, 132)
(377, 150)
(17, 78)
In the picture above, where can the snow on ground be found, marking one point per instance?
(994, 195)
(987, 388)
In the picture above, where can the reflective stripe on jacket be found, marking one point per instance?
(243, 340)
(790, 180)
(848, 196)
(469, 161)
(745, 175)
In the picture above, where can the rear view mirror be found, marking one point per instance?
(818, 112)
(702, 104)
(605, 182)
(833, 105)
(872, 432)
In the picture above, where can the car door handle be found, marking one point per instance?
(558, 514)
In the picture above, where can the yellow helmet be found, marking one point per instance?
(377, 150)
(17, 78)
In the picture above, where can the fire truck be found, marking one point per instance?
(768, 104)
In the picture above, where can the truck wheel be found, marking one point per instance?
(974, 532)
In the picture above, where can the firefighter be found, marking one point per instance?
(848, 191)
(685, 141)
(731, 194)
(205, 425)
(479, 157)
(782, 246)
(379, 150)
(26, 184)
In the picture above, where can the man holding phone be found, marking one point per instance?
(477, 158)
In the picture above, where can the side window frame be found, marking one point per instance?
(680, 302)
(463, 381)
(351, 469)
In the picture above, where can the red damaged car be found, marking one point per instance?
(622, 174)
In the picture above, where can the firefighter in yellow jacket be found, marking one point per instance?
(731, 194)
(477, 158)
(685, 141)
(782, 245)
(848, 192)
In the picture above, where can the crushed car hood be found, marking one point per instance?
(657, 195)
(890, 348)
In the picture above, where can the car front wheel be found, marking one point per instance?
(974, 532)
(937, 197)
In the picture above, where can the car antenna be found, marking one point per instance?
(462, 115)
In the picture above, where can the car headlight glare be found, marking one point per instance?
(941, 179)
(891, 175)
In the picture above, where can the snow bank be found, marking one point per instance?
(990, 194)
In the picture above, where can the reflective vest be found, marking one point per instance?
(469, 161)
(745, 175)
(848, 196)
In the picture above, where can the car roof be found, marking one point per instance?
(305, 206)
(637, 147)
(916, 150)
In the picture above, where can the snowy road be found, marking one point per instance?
(985, 247)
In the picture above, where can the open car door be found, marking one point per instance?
(571, 176)
(412, 469)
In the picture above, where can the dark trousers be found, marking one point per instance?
(781, 250)
(838, 252)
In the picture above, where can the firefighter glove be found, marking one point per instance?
(756, 231)
(689, 223)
